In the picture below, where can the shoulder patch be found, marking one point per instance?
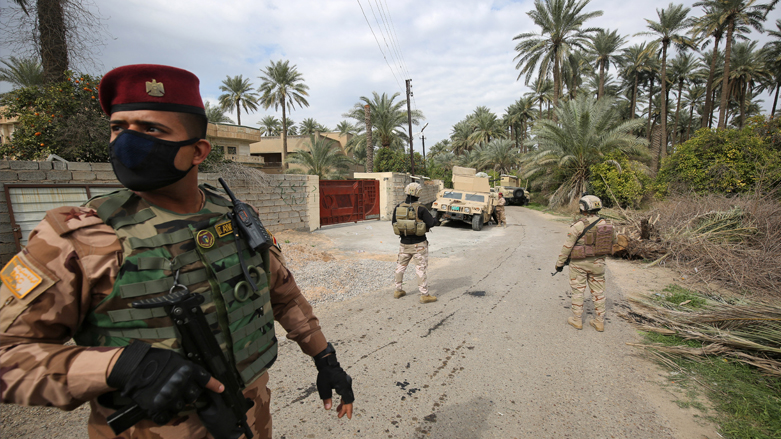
(19, 277)
(67, 219)
(275, 250)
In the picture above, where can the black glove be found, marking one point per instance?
(219, 419)
(160, 381)
(330, 375)
(559, 269)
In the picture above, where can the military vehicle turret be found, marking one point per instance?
(512, 193)
(470, 200)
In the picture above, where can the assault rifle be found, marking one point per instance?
(201, 347)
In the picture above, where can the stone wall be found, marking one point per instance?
(286, 201)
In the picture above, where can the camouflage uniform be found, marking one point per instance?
(500, 218)
(75, 259)
(414, 247)
(589, 271)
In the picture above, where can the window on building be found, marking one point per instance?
(232, 150)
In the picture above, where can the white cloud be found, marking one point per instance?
(459, 53)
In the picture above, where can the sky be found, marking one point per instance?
(458, 53)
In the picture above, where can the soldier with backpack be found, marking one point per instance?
(411, 220)
(588, 241)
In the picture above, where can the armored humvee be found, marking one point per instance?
(470, 200)
(512, 193)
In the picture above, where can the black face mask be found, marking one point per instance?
(144, 163)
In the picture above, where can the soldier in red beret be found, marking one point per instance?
(85, 267)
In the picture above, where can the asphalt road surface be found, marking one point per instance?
(493, 358)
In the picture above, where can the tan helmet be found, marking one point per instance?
(413, 189)
(590, 203)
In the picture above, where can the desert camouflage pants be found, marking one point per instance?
(500, 219)
(591, 272)
(420, 253)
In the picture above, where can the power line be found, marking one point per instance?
(379, 26)
(393, 27)
(394, 43)
(379, 46)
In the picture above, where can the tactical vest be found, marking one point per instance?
(597, 241)
(407, 221)
(157, 243)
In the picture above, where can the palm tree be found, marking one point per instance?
(561, 22)
(238, 94)
(270, 126)
(388, 119)
(309, 127)
(322, 158)
(214, 114)
(485, 126)
(292, 130)
(748, 71)
(541, 93)
(683, 69)
(586, 131)
(51, 37)
(709, 25)
(604, 45)
(21, 72)
(576, 66)
(735, 13)
(694, 93)
(283, 86)
(459, 137)
(634, 62)
(500, 155)
(344, 128)
(671, 21)
(772, 53)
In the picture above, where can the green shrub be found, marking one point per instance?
(724, 161)
(62, 118)
(628, 184)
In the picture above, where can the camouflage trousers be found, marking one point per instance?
(500, 219)
(406, 253)
(591, 272)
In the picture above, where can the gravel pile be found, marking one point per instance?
(339, 280)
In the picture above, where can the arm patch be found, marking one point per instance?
(23, 281)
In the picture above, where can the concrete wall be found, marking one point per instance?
(392, 186)
(287, 201)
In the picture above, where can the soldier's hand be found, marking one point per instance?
(559, 269)
(331, 376)
(160, 381)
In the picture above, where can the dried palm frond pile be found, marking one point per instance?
(734, 242)
(747, 331)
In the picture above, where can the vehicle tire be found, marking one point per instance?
(477, 222)
(518, 194)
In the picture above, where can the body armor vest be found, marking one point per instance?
(201, 248)
(597, 241)
(407, 221)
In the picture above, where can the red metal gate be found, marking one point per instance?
(346, 201)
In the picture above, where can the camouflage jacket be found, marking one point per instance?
(501, 203)
(572, 235)
(69, 266)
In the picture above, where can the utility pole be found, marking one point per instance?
(369, 144)
(409, 122)
(423, 141)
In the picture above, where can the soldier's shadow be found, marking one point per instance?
(462, 420)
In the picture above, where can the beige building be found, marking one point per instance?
(7, 127)
(235, 141)
(270, 149)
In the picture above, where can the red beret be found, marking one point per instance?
(150, 87)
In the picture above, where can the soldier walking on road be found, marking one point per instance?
(500, 218)
(588, 241)
(88, 273)
(411, 220)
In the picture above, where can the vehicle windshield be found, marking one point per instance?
(453, 195)
(475, 197)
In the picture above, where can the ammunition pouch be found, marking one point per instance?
(407, 221)
(597, 241)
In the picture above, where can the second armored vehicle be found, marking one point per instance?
(470, 200)
(509, 187)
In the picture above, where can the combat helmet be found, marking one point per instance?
(590, 203)
(413, 189)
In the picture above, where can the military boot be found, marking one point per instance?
(427, 298)
(599, 325)
(399, 294)
(576, 322)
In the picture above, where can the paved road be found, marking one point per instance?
(493, 358)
